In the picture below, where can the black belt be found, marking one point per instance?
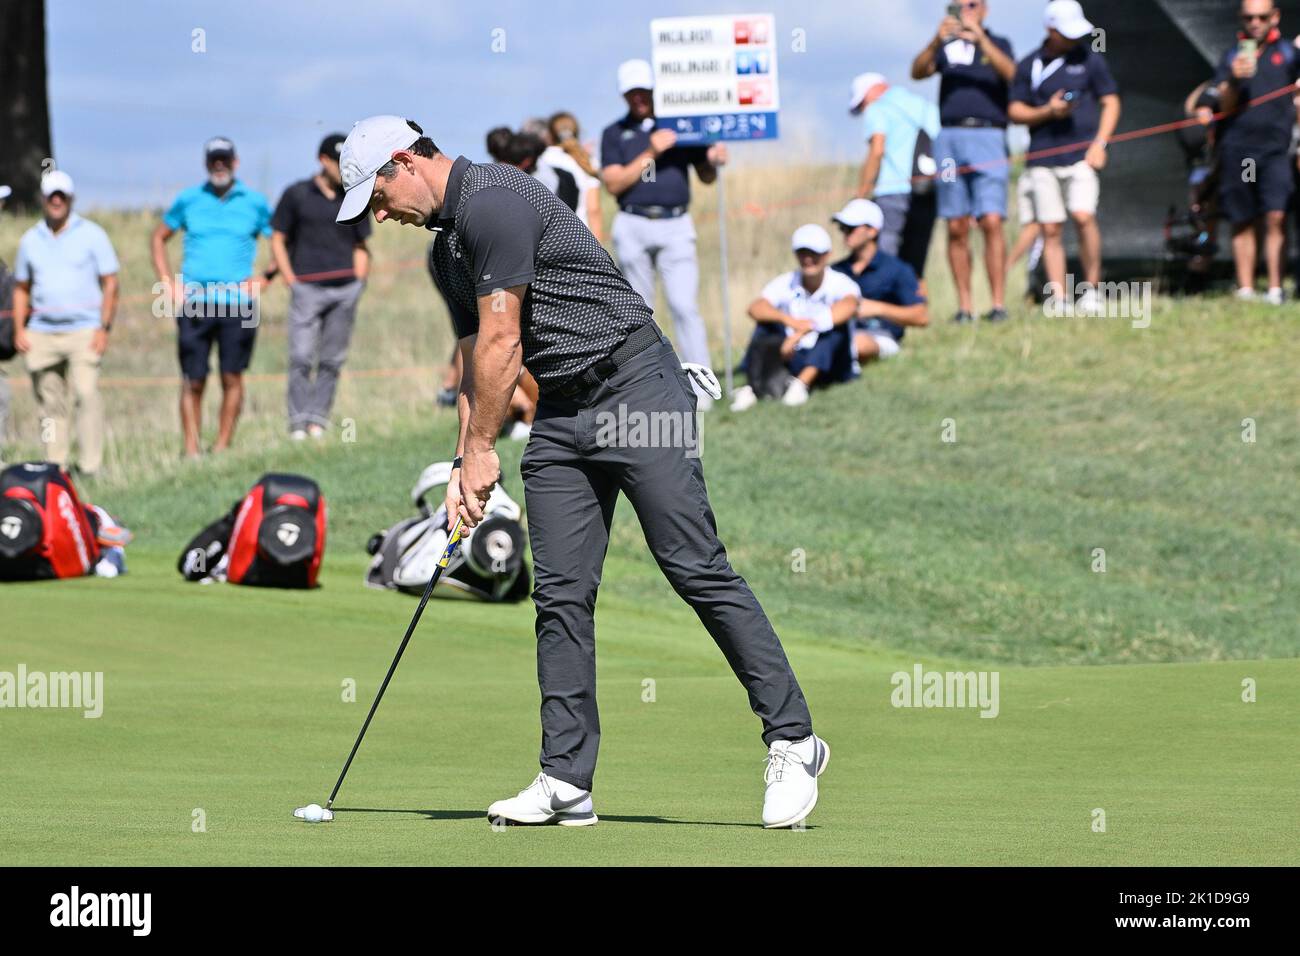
(972, 122)
(655, 212)
(636, 343)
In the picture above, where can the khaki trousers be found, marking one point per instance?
(60, 362)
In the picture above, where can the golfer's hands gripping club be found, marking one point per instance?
(471, 486)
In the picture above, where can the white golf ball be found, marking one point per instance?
(313, 813)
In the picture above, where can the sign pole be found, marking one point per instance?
(726, 285)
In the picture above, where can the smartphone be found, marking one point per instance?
(954, 10)
(1247, 48)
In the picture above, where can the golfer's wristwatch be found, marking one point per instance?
(455, 462)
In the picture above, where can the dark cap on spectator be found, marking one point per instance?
(219, 147)
(332, 145)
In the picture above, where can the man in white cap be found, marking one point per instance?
(64, 303)
(1065, 94)
(898, 171)
(653, 231)
(889, 295)
(528, 284)
(804, 317)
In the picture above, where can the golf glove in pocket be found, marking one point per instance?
(704, 379)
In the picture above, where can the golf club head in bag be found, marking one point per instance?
(489, 565)
(45, 531)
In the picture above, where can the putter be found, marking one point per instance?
(327, 812)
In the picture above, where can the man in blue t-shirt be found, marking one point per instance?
(649, 175)
(1065, 94)
(215, 297)
(1260, 62)
(971, 150)
(890, 296)
(899, 169)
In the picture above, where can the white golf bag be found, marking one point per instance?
(489, 565)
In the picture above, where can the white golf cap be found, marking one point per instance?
(1066, 18)
(369, 146)
(811, 236)
(862, 84)
(5, 192)
(57, 181)
(635, 75)
(860, 212)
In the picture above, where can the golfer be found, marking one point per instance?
(528, 284)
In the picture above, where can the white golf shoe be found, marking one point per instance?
(546, 800)
(744, 399)
(793, 767)
(796, 393)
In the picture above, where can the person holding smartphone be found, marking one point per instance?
(1255, 181)
(1065, 94)
(976, 67)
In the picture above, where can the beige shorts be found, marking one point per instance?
(1049, 194)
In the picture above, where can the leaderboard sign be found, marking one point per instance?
(715, 77)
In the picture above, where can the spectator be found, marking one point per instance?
(653, 230)
(803, 328)
(498, 142)
(325, 265)
(1065, 94)
(977, 67)
(1029, 242)
(889, 294)
(215, 296)
(567, 152)
(525, 152)
(65, 298)
(1255, 182)
(899, 170)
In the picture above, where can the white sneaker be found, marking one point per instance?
(793, 767)
(1245, 294)
(1088, 304)
(1274, 296)
(520, 431)
(744, 399)
(546, 800)
(796, 393)
(298, 434)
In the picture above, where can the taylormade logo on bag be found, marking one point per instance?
(75, 908)
(78, 690)
(74, 527)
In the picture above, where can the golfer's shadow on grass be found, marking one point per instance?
(609, 817)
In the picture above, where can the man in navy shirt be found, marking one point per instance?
(650, 175)
(1256, 179)
(1067, 97)
(891, 298)
(976, 66)
(325, 265)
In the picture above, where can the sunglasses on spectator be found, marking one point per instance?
(1247, 17)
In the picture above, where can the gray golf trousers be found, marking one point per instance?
(320, 327)
(667, 245)
(577, 461)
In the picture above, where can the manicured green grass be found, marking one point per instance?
(231, 702)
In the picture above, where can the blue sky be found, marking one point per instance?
(131, 104)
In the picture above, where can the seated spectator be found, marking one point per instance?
(890, 298)
(803, 336)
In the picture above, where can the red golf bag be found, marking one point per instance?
(278, 536)
(45, 531)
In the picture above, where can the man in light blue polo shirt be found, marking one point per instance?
(65, 297)
(214, 298)
(898, 172)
